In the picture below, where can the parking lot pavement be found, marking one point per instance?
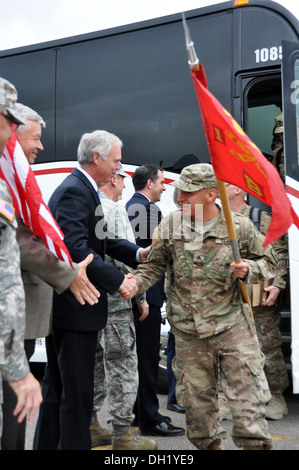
(285, 432)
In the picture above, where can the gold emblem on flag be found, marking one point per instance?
(253, 186)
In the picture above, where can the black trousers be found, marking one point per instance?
(148, 352)
(67, 389)
(14, 433)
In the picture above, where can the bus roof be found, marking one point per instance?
(146, 24)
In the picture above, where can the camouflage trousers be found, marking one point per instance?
(236, 353)
(267, 321)
(116, 373)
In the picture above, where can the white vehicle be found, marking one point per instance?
(135, 81)
(49, 176)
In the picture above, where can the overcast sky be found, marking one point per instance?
(26, 22)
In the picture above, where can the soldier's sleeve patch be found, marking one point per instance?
(155, 238)
(274, 255)
(7, 210)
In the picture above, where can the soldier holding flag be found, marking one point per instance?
(211, 322)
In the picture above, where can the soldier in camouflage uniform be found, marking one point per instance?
(277, 146)
(208, 317)
(13, 363)
(265, 313)
(116, 358)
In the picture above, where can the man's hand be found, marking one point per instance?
(29, 397)
(81, 287)
(144, 252)
(143, 310)
(273, 292)
(128, 289)
(240, 269)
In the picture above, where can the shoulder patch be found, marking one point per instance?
(7, 210)
(274, 255)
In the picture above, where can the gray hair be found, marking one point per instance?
(27, 113)
(96, 142)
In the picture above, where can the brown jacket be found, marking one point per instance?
(42, 272)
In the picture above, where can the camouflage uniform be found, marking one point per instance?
(13, 362)
(267, 319)
(210, 321)
(116, 357)
(278, 158)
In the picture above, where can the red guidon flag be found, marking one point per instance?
(28, 201)
(237, 160)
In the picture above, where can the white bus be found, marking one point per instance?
(135, 81)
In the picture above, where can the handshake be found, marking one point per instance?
(128, 289)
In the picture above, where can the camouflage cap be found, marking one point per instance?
(196, 177)
(8, 98)
(278, 124)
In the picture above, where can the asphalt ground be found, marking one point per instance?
(285, 433)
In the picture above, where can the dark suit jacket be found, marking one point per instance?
(77, 210)
(145, 216)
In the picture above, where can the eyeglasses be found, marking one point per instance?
(15, 124)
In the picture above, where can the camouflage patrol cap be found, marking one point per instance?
(278, 124)
(196, 177)
(8, 98)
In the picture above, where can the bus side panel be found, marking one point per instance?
(290, 72)
(294, 282)
(138, 86)
(261, 34)
(33, 75)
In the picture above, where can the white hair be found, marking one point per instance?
(27, 113)
(97, 141)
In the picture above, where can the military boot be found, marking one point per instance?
(99, 436)
(277, 407)
(127, 442)
(265, 445)
(216, 445)
(255, 448)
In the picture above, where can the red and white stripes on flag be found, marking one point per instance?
(28, 201)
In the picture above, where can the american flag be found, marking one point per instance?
(28, 201)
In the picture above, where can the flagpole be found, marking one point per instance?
(195, 65)
(232, 237)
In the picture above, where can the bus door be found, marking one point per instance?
(290, 80)
(258, 100)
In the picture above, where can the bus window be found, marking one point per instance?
(260, 127)
(263, 100)
(33, 74)
(262, 103)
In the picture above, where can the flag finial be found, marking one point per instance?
(193, 60)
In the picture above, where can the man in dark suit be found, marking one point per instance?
(145, 216)
(65, 414)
